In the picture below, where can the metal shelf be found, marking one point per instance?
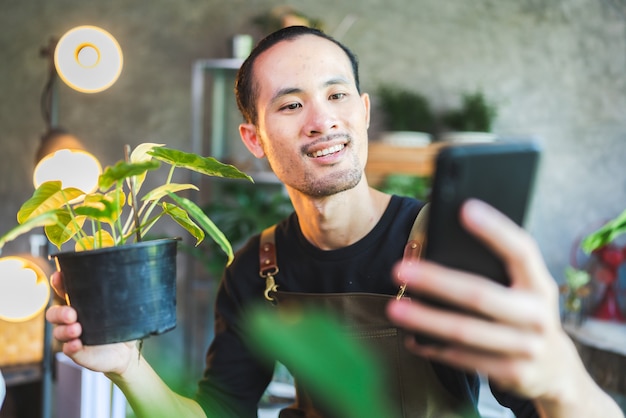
(219, 69)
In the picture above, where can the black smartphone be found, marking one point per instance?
(500, 173)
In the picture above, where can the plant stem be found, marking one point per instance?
(118, 221)
(170, 175)
(133, 203)
(145, 227)
(79, 230)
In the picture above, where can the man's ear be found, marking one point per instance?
(366, 102)
(249, 136)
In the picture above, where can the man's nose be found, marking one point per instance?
(321, 118)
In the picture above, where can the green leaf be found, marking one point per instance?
(48, 218)
(101, 239)
(576, 278)
(47, 197)
(606, 234)
(140, 154)
(123, 170)
(163, 190)
(203, 220)
(205, 165)
(103, 208)
(294, 336)
(182, 218)
(66, 227)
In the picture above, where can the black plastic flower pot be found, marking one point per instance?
(122, 293)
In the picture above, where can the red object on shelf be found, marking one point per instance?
(611, 257)
(608, 309)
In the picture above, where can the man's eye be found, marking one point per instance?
(291, 106)
(337, 96)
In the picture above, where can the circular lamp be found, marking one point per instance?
(88, 59)
(24, 290)
(61, 157)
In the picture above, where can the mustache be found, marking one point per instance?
(345, 138)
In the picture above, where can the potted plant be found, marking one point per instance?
(472, 122)
(122, 286)
(408, 118)
(602, 244)
(606, 234)
(576, 288)
(407, 185)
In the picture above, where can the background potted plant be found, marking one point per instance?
(406, 185)
(609, 254)
(122, 286)
(606, 234)
(472, 121)
(242, 210)
(407, 116)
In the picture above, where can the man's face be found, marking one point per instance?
(312, 122)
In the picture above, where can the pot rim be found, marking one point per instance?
(147, 243)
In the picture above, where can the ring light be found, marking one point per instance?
(88, 59)
(24, 289)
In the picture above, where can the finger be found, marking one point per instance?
(56, 281)
(61, 315)
(499, 368)
(474, 294)
(516, 375)
(72, 347)
(67, 333)
(511, 243)
(459, 329)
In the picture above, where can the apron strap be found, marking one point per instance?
(269, 265)
(267, 258)
(415, 244)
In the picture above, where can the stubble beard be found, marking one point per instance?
(331, 184)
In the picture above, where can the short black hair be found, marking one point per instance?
(246, 91)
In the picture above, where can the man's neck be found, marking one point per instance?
(342, 219)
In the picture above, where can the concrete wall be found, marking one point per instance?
(555, 68)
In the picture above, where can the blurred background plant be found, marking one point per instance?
(240, 212)
(605, 255)
(605, 234)
(575, 290)
(405, 110)
(476, 114)
(407, 185)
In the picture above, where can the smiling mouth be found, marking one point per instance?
(327, 151)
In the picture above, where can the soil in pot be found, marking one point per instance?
(122, 293)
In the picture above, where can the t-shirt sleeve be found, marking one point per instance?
(235, 378)
(521, 407)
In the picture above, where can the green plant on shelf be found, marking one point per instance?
(407, 185)
(405, 110)
(476, 114)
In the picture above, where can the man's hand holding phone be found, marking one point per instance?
(511, 334)
(509, 331)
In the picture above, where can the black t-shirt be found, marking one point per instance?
(235, 378)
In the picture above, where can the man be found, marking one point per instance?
(299, 94)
